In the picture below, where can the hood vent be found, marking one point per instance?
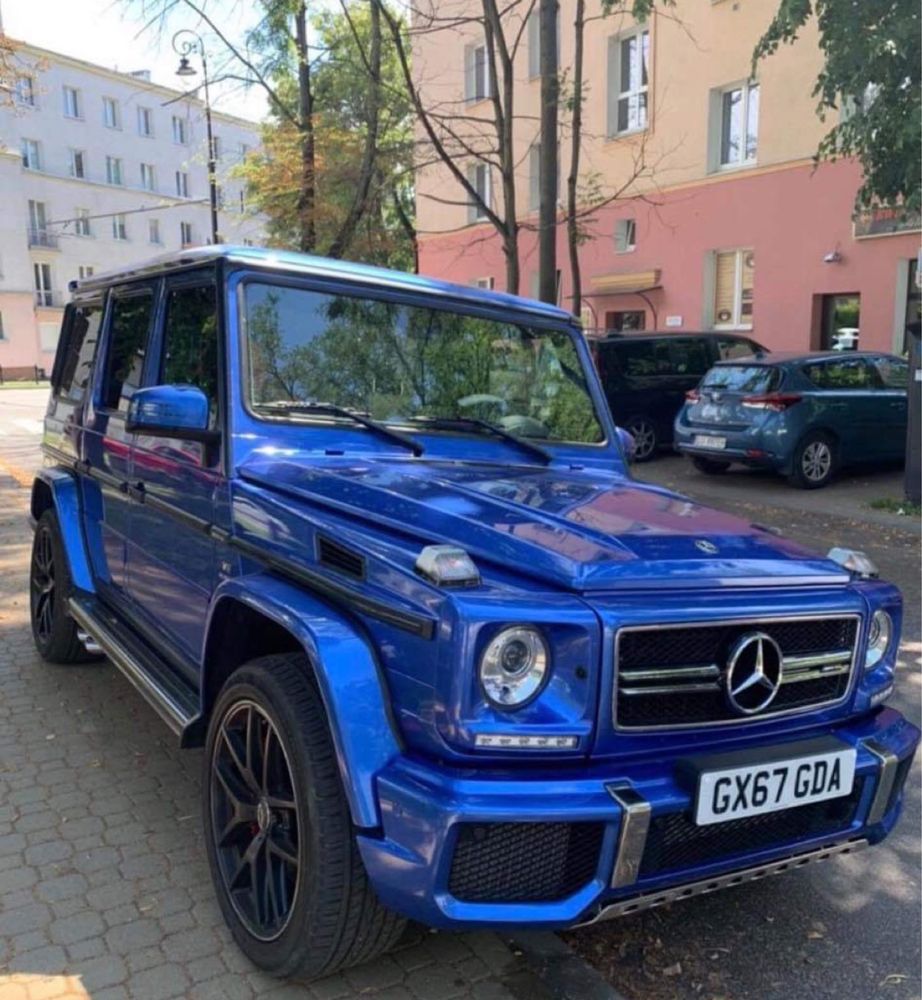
(335, 556)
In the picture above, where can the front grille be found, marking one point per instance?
(674, 840)
(523, 862)
(674, 676)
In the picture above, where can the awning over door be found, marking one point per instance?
(625, 284)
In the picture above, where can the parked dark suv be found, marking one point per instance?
(646, 376)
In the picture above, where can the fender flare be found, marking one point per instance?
(65, 499)
(348, 676)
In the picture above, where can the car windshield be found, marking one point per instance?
(742, 378)
(409, 365)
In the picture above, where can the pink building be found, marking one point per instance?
(725, 224)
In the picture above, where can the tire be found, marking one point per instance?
(710, 466)
(815, 461)
(645, 438)
(53, 630)
(314, 911)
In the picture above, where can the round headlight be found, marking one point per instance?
(513, 666)
(879, 636)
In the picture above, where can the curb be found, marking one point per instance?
(561, 971)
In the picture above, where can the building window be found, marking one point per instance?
(72, 103)
(182, 184)
(185, 233)
(217, 147)
(533, 30)
(734, 276)
(148, 178)
(180, 131)
(478, 84)
(153, 231)
(478, 176)
(626, 319)
(82, 222)
(625, 235)
(31, 155)
(77, 164)
(145, 122)
(25, 91)
(85, 271)
(841, 322)
(119, 227)
(739, 125)
(38, 233)
(485, 283)
(44, 296)
(111, 117)
(219, 196)
(628, 63)
(2, 334)
(113, 170)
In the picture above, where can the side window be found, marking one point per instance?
(893, 372)
(850, 373)
(190, 341)
(689, 356)
(645, 358)
(729, 349)
(79, 350)
(129, 327)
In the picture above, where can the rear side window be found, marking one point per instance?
(728, 349)
(79, 350)
(743, 378)
(893, 372)
(690, 356)
(130, 325)
(849, 373)
(643, 358)
(190, 341)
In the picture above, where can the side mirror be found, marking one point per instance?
(628, 444)
(176, 411)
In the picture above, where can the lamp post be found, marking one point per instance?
(186, 42)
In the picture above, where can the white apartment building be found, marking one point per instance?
(99, 169)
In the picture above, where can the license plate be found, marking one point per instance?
(762, 788)
(709, 441)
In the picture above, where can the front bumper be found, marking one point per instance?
(516, 830)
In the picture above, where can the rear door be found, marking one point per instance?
(846, 401)
(891, 411)
(171, 558)
(107, 445)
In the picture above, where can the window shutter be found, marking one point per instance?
(614, 83)
(469, 83)
(725, 288)
(534, 45)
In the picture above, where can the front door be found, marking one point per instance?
(171, 569)
(891, 398)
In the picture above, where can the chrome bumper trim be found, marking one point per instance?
(885, 778)
(650, 900)
(632, 837)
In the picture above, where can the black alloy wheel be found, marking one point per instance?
(42, 591)
(255, 820)
(645, 441)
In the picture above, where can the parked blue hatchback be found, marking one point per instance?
(371, 541)
(803, 415)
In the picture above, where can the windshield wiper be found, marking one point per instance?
(332, 410)
(475, 423)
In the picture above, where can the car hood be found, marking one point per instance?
(585, 530)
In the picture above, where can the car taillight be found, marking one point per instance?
(692, 396)
(778, 402)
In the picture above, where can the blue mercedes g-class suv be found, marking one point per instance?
(371, 540)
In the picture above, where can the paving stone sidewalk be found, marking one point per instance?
(104, 885)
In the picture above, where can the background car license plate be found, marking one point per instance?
(710, 441)
(762, 788)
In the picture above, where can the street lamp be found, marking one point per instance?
(186, 42)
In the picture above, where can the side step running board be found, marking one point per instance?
(172, 698)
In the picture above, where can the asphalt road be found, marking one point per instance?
(848, 929)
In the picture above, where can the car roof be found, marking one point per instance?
(802, 357)
(289, 262)
(615, 336)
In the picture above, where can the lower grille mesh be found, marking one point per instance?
(675, 841)
(523, 862)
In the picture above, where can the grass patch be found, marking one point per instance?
(904, 507)
(25, 385)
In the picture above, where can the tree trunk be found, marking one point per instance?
(307, 193)
(576, 128)
(550, 96)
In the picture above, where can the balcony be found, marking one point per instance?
(42, 238)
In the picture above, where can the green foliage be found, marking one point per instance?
(871, 71)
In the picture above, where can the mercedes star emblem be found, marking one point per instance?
(703, 545)
(753, 673)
